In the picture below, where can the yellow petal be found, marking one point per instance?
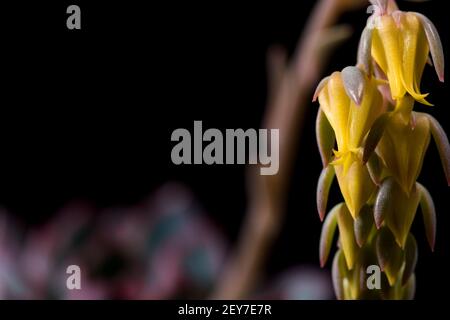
(349, 121)
(347, 235)
(415, 53)
(402, 149)
(387, 52)
(401, 213)
(362, 117)
(335, 104)
(355, 184)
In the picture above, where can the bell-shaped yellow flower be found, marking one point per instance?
(400, 49)
(351, 103)
(350, 117)
(400, 44)
(402, 148)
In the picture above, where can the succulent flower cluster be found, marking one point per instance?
(373, 142)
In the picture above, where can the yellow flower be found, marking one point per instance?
(351, 118)
(402, 148)
(401, 51)
(351, 103)
(400, 44)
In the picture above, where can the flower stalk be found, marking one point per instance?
(373, 142)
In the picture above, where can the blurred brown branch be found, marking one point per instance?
(290, 86)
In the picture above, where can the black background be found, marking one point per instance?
(88, 114)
